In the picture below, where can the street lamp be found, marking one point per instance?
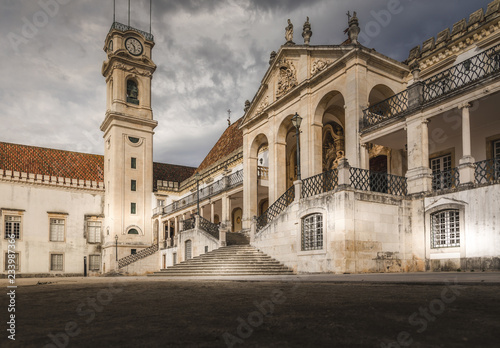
(296, 121)
(197, 177)
(116, 246)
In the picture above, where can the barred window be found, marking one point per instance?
(441, 167)
(56, 262)
(57, 230)
(496, 149)
(12, 261)
(312, 232)
(94, 231)
(12, 226)
(445, 229)
(94, 262)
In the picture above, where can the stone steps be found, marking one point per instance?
(232, 260)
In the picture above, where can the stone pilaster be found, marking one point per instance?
(466, 166)
(419, 175)
(298, 190)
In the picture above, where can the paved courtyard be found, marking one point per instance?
(408, 310)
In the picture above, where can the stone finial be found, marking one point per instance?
(289, 33)
(307, 32)
(272, 57)
(415, 71)
(354, 29)
(247, 105)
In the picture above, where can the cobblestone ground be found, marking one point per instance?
(176, 313)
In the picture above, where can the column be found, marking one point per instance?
(419, 175)
(176, 226)
(212, 212)
(365, 156)
(466, 166)
(316, 149)
(224, 216)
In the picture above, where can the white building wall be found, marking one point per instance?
(35, 202)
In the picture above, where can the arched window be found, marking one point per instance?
(445, 229)
(133, 231)
(132, 92)
(312, 232)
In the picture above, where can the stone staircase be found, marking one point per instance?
(127, 260)
(233, 238)
(232, 260)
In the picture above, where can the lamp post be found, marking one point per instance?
(296, 121)
(116, 246)
(197, 177)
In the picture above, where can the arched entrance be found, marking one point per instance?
(236, 219)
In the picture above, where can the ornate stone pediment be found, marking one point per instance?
(287, 77)
(264, 104)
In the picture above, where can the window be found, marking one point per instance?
(12, 261)
(441, 172)
(133, 251)
(133, 231)
(133, 208)
(57, 230)
(312, 232)
(56, 262)
(94, 231)
(12, 226)
(160, 202)
(94, 262)
(133, 185)
(496, 149)
(445, 229)
(133, 163)
(134, 140)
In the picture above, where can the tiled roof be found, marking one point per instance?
(74, 165)
(170, 172)
(60, 163)
(230, 140)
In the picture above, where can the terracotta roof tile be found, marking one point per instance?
(230, 140)
(74, 165)
(170, 172)
(44, 161)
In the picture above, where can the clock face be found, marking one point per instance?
(134, 46)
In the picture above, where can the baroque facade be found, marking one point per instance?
(394, 167)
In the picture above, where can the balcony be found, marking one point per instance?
(452, 81)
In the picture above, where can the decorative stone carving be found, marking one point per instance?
(333, 146)
(287, 78)
(443, 36)
(320, 65)
(247, 105)
(354, 29)
(264, 104)
(131, 69)
(414, 53)
(476, 17)
(289, 33)
(307, 32)
(493, 7)
(428, 45)
(458, 27)
(272, 57)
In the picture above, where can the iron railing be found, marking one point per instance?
(188, 224)
(124, 27)
(127, 260)
(463, 74)
(213, 189)
(387, 109)
(320, 183)
(366, 180)
(445, 180)
(276, 208)
(488, 171)
(209, 227)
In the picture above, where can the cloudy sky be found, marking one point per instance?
(211, 56)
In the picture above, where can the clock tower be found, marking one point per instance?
(128, 139)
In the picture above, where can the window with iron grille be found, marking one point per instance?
(94, 262)
(57, 230)
(93, 231)
(445, 229)
(133, 163)
(312, 232)
(56, 262)
(441, 171)
(12, 226)
(12, 261)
